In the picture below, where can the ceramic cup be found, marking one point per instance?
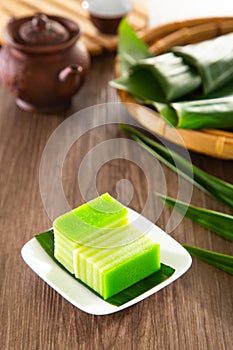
(106, 15)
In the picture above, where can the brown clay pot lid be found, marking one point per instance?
(41, 30)
(30, 34)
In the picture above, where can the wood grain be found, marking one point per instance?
(193, 313)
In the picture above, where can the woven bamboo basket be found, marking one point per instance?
(215, 143)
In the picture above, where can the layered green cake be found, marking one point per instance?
(97, 244)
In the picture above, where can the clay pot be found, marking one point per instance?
(42, 63)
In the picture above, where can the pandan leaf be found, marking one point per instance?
(221, 261)
(214, 221)
(212, 58)
(215, 187)
(46, 240)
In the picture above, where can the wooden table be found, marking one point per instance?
(195, 312)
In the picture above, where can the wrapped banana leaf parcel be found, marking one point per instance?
(190, 86)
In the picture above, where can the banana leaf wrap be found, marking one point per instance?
(197, 114)
(175, 86)
(142, 85)
(172, 75)
(213, 60)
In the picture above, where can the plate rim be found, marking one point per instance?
(35, 256)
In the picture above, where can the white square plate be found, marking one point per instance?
(172, 254)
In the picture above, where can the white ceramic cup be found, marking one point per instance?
(110, 8)
(106, 15)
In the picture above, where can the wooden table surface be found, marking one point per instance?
(195, 312)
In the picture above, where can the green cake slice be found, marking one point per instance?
(81, 225)
(96, 243)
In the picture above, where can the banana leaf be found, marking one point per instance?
(212, 58)
(140, 84)
(198, 114)
(157, 80)
(219, 189)
(210, 113)
(130, 47)
(221, 261)
(214, 221)
(166, 112)
(173, 76)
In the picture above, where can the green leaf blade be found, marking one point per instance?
(214, 221)
(215, 187)
(167, 112)
(140, 84)
(130, 47)
(46, 240)
(221, 261)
